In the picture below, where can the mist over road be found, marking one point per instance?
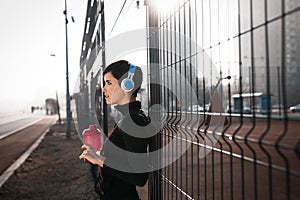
(11, 122)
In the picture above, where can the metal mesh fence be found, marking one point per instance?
(228, 74)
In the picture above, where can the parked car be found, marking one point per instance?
(196, 108)
(277, 106)
(207, 107)
(295, 108)
(246, 110)
(256, 107)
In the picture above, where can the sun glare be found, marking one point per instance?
(165, 5)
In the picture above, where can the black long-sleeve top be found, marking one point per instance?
(119, 173)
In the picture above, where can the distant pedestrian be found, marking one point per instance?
(122, 83)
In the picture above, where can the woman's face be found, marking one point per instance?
(112, 91)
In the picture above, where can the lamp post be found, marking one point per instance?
(68, 121)
(222, 78)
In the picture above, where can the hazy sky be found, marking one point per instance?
(31, 30)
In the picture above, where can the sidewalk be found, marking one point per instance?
(53, 171)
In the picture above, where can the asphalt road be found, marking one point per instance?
(12, 126)
(14, 145)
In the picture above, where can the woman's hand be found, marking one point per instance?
(89, 154)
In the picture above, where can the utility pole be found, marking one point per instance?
(58, 111)
(68, 122)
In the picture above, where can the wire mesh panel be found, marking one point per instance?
(228, 75)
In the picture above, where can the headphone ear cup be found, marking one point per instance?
(127, 84)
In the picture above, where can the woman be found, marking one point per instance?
(117, 183)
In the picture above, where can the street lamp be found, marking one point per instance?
(68, 121)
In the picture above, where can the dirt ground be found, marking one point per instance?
(52, 171)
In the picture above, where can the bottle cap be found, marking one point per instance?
(92, 127)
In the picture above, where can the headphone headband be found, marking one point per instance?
(131, 69)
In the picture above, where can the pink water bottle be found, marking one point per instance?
(92, 137)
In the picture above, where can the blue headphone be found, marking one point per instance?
(127, 84)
